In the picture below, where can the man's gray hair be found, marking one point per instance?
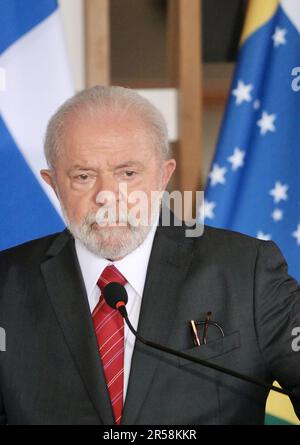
(100, 100)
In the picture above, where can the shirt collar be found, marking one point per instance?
(133, 266)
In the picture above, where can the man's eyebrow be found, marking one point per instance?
(126, 164)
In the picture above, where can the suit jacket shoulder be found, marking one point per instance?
(30, 252)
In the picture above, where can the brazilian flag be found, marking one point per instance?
(256, 165)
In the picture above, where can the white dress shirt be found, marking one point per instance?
(134, 268)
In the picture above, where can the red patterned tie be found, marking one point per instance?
(109, 328)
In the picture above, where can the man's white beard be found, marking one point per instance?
(112, 242)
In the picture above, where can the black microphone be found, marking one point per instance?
(116, 297)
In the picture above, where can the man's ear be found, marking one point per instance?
(47, 176)
(168, 169)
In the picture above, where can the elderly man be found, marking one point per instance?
(69, 358)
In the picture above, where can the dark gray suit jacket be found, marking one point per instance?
(51, 372)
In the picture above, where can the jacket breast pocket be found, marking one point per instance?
(212, 349)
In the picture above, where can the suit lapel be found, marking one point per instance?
(167, 268)
(68, 296)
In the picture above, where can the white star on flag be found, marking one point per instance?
(256, 104)
(242, 93)
(217, 175)
(208, 209)
(263, 236)
(279, 192)
(296, 234)
(277, 215)
(237, 158)
(266, 123)
(279, 36)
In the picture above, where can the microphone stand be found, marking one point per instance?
(199, 361)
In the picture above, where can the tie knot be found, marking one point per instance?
(111, 275)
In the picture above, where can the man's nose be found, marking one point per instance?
(107, 190)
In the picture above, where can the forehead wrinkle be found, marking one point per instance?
(127, 161)
(111, 149)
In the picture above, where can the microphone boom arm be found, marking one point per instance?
(116, 296)
(204, 362)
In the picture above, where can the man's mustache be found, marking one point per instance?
(106, 216)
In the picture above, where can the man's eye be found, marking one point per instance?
(129, 173)
(82, 177)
